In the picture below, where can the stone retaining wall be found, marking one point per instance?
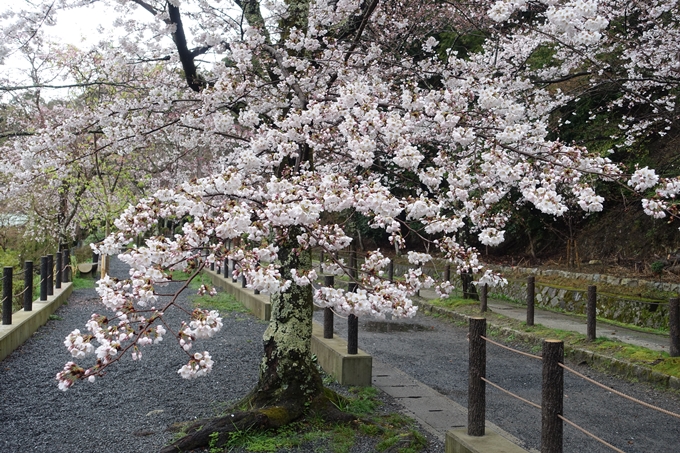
(639, 312)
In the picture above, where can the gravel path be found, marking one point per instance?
(435, 351)
(128, 410)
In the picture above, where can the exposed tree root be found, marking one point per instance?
(215, 432)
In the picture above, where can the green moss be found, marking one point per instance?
(278, 416)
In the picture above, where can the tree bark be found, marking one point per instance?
(289, 382)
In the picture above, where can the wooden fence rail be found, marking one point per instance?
(552, 389)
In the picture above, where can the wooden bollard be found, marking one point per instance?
(352, 320)
(28, 286)
(552, 401)
(591, 313)
(531, 291)
(7, 295)
(352, 334)
(674, 326)
(43, 278)
(477, 371)
(483, 295)
(59, 271)
(465, 282)
(66, 263)
(390, 271)
(50, 275)
(226, 266)
(329, 281)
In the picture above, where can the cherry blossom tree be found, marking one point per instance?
(328, 109)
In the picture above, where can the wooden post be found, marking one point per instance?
(352, 286)
(447, 273)
(50, 275)
(591, 313)
(321, 257)
(103, 265)
(352, 320)
(43, 278)
(674, 326)
(464, 283)
(390, 271)
(329, 281)
(476, 371)
(212, 266)
(352, 334)
(531, 290)
(552, 397)
(226, 266)
(59, 271)
(28, 286)
(257, 291)
(483, 294)
(7, 295)
(66, 262)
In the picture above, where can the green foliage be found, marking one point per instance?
(463, 44)
(657, 267)
(9, 258)
(542, 57)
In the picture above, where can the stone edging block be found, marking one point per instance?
(258, 304)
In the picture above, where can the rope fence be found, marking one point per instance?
(470, 291)
(54, 269)
(552, 397)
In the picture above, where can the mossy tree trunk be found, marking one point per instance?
(287, 373)
(289, 382)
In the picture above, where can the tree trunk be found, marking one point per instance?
(287, 373)
(289, 383)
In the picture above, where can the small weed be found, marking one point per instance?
(55, 318)
(212, 443)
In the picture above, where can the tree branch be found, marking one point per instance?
(362, 26)
(186, 56)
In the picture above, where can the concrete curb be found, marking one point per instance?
(258, 304)
(347, 369)
(26, 323)
(612, 365)
(458, 441)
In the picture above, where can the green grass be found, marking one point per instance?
(222, 302)
(83, 282)
(453, 302)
